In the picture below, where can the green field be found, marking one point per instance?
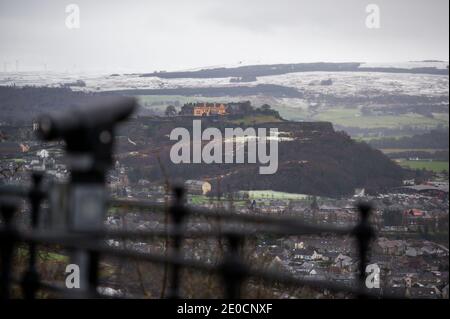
(269, 194)
(435, 166)
(45, 255)
(354, 118)
(399, 150)
(368, 139)
(198, 199)
(348, 117)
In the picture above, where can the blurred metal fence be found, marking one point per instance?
(88, 134)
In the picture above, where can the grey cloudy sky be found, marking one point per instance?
(152, 35)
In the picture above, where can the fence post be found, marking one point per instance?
(177, 212)
(93, 273)
(7, 242)
(30, 279)
(234, 270)
(364, 233)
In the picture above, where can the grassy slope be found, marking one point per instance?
(353, 118)
(435, 166)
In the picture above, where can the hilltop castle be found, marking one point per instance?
(206, 109)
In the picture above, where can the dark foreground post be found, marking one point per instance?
(178, 213)
(364, 233)
(30, 280)
(7, 242)
(234, 270)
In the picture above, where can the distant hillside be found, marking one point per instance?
(438, 139)
(257, 70)
(251, 71)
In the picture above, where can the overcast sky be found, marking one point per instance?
(143, 36)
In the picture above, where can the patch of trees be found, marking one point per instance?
(243, 79)
(432, 139)
(384, 131)
(436, 156)
(170, 111)
(425, 110)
